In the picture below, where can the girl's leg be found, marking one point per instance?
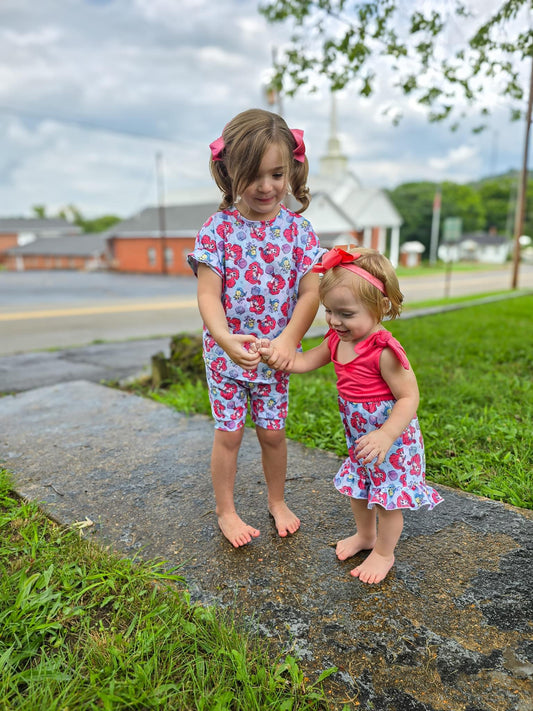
(365, 538)
(374, 569)
(274, 457)
(223, 471)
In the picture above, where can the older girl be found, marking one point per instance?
(254, 260)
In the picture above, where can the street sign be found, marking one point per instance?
(452, 229)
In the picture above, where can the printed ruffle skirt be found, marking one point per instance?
(400, 481)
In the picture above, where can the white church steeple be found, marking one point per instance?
(334, 163)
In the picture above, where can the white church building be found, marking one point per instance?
(342, 211)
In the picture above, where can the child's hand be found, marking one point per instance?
(261, 346)
(282, 354)
(264, 348)
(372, 445)
(242, 350)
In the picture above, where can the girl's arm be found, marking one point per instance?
(302, 317)
(214, 317)
(303, 362)
(404, 387)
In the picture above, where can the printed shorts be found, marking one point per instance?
(229, 401)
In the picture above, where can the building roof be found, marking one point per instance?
(485, 238)
(54, 225)
(179, 221)
(325, 215)
(371, 207)
(85, 245)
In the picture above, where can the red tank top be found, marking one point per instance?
(360, 380)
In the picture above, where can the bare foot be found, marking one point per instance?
(352, 545)
(236, 531)
(374, 569)
(286, 521)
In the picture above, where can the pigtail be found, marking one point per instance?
(224, 183)
(297, 180)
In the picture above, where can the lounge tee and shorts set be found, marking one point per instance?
(261, 264)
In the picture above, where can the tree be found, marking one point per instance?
(414, 201)
(99, 224)
(341, 40)
(498, 195)
(39, 211)
(96, 224)
(72, 214)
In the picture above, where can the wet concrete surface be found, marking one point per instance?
(450, 627)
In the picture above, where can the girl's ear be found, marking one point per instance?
(386, 304)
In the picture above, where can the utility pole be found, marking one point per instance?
(522, 188)
(161, 211)
(435, 221)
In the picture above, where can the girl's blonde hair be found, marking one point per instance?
(246, 138)
(381, 306)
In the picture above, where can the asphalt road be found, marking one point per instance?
(59, 309)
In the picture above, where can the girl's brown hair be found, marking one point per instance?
(382, 306)
(246, 138)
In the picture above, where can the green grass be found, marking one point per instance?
(83, 629)
(450, 301)
(425, 269)
(474, 368)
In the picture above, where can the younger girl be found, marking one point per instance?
(253, 260)
(378, 398)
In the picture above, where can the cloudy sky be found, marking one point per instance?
(91, 91)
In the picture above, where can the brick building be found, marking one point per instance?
(19, 231)
(157, 241)
(82, 252)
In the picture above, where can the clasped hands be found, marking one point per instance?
(277, 353)
(248, 351)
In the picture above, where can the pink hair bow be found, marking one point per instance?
(338, 257)
(299, 151)
(217, 148)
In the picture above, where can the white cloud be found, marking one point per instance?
(90, 90)
(455, 156)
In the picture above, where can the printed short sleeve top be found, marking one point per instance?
(261, 265)
(360, 380)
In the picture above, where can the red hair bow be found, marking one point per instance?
(338, 257)
(334, 258)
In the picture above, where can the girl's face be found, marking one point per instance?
(347, 316)
(261, 199)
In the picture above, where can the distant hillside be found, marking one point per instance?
(482, 204)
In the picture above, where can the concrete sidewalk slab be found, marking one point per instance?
(96, 363)
(450, 628)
